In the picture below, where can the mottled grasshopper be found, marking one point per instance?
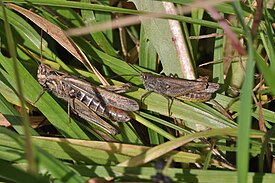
(199, 90)
(85, 99)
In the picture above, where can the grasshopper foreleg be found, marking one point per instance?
(167, 97)
(169, 104)
(145, 95)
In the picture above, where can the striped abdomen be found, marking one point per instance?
(98, 106)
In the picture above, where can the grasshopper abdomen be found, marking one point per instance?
(102, 108)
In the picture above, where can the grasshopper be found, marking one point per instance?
(199, 90)
(85, 99)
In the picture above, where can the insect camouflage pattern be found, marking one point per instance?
(87, 100)
(199, 90)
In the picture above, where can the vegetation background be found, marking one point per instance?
(227, 139)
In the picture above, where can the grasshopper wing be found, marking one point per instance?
(172, 87)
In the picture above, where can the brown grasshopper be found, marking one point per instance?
(87, 100)
(199, 90)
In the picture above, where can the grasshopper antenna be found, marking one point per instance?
(41, 57)
(136, 69)
(39, 67)
(132, 66)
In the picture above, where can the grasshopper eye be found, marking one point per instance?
(144, 76)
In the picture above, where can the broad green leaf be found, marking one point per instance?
(53, 166)
(161, 35)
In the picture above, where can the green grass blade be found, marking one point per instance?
(158, 151)
(244, 120)
(147, 52)
(8, 111)
(44, 160)
(218, 68)
(162, 37)
(30, 153)
(11, 173)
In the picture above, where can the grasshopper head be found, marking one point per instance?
(42, 73)
(45, 74)
(148, 80)
(144, 76)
